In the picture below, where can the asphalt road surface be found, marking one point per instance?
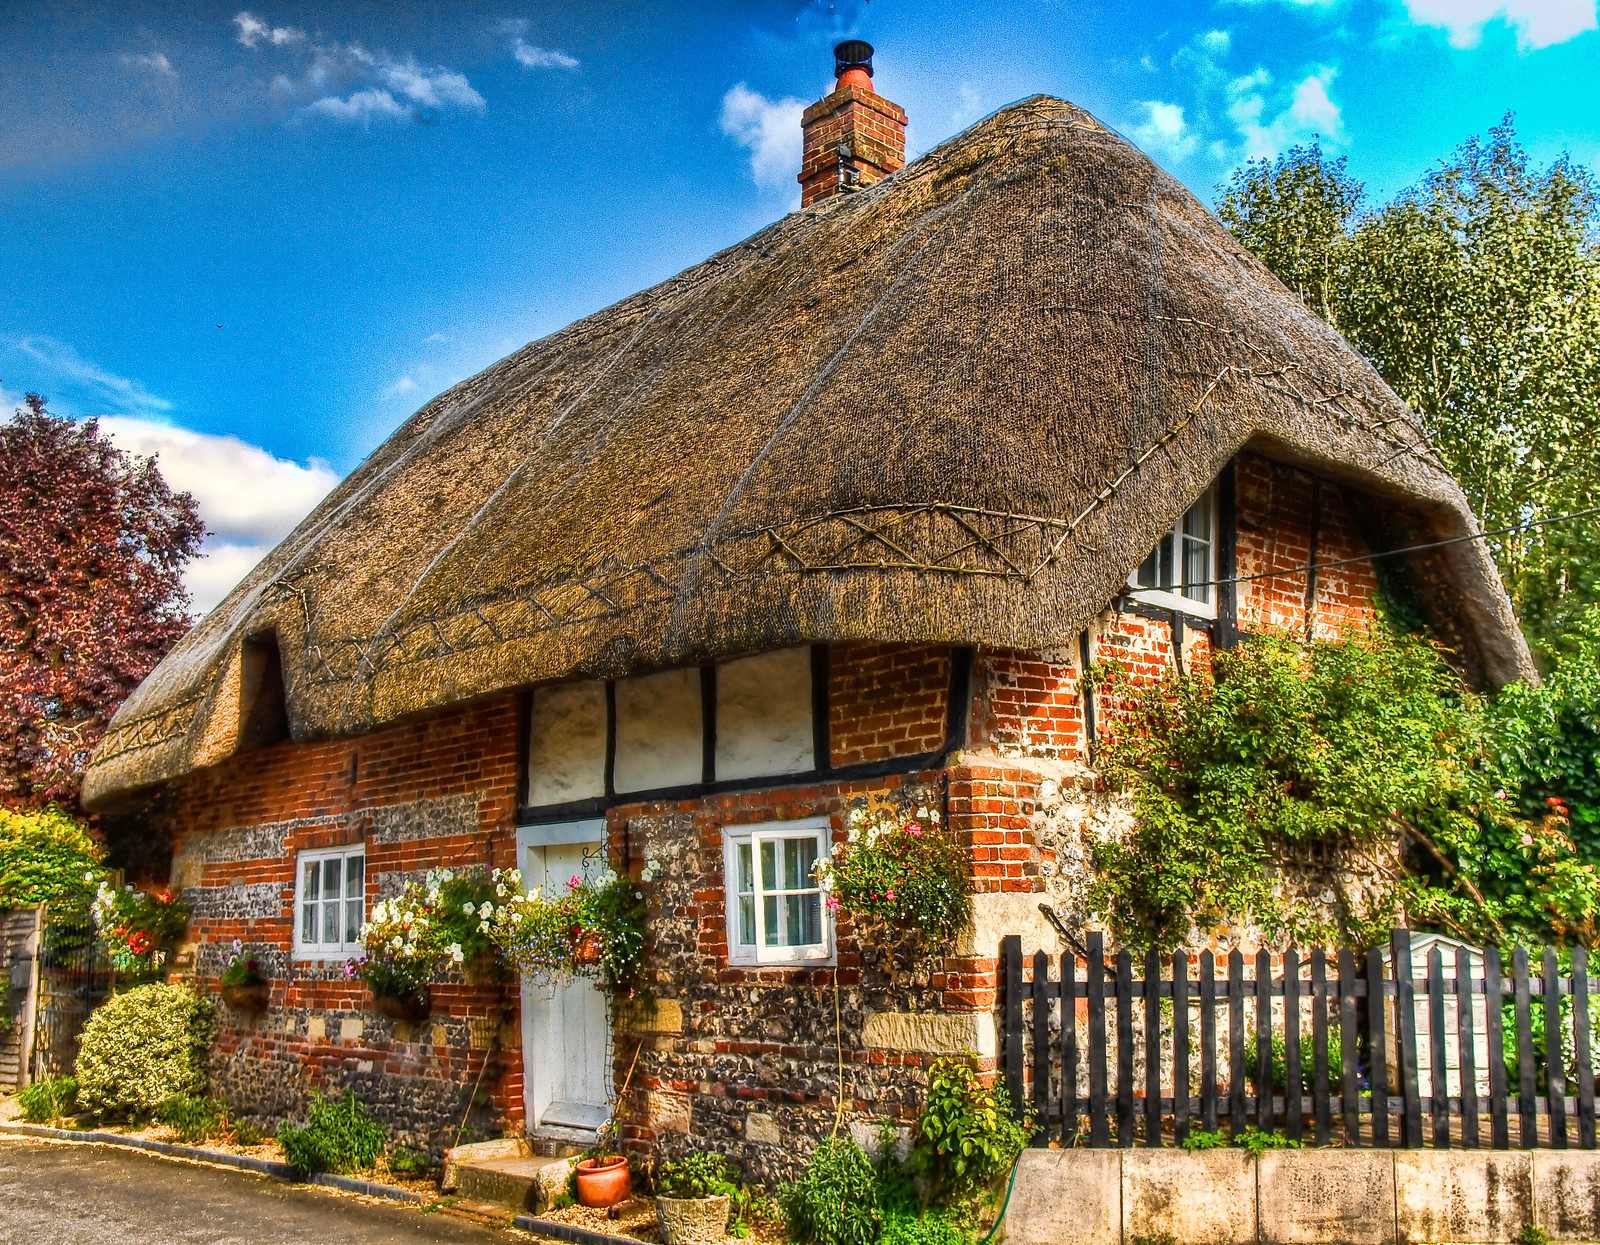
(54, 1194)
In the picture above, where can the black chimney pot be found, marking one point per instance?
(849, 54)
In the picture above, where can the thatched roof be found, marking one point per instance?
(955, 407)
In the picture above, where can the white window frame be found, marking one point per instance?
(1176, 600)
(818, 829)
(304, 950)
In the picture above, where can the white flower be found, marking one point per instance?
(455, 952)
(471, 909)
(922, 813)
(88, 877)
(483, 927)
(398, 942)
(237, 945)
(486, 910)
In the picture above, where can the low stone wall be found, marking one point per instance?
(1302, 1197)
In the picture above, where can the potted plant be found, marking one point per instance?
(596, 929)
(601, 1173)
(694, 1197)
(138, 928)
(243, 986)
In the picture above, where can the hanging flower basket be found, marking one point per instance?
(411, 1007)
(587, 951)
(248, 996)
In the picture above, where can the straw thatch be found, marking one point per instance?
(955, 407)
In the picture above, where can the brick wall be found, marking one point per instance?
(886, 700)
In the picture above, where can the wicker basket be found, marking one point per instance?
(693, 1220)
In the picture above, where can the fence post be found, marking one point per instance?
(1320, 1090)
(1180, 1046)
(1152, 1048)
(1555, 1074)
(1527, 1104)
(1236, 1114)
(1099, 1125)
(1264, 1113)
(1069, 1048)
(1377, 1040)
(1208, 1041)
(1349, 1095)
(1041, 1048)
(1011, 968)
(1293, 1106)
(1125, 1136)
(1405, 1014)
(1494, 1026)
(1467, 1047)
(1580, 1046)
(1439, 1090)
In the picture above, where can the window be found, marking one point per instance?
(332, 904)
(775, 909)
(1179, 570)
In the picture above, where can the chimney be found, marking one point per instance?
(853, 137)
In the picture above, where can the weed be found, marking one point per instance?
(45, 1101)
(339, 1135)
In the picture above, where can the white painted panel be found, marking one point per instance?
(764, 715)
(660, 742)
(567, 745)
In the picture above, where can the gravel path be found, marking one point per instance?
(55, 1194)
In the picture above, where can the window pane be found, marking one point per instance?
(806, 851)
(1196, 569)
(774, 929)
(1168, 576)
(331, 869)
(330, 921)
(353, 866)
(352, 920)
(313, 881)
(1148, 571)
(308, 922)
(1197, 522)
(746, 883)
(810, 907)
(747, 921)
(769, 867)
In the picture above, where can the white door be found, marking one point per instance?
(566, 1040)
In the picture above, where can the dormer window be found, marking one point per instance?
(1180, 570)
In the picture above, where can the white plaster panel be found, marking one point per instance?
(660, 742)
(764, 715)
(567, 747)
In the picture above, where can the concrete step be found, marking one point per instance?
(506, 1173)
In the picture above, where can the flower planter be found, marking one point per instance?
(412, 1007)
(603, 1182)
(693, 1220)
(587, 953)
(248, 996)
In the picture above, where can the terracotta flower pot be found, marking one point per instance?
(603, 1182)
(693, 1220)
(587, 952)
(412, 1007)
(248, 996)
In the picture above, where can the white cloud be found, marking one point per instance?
(541, 58)
(423, 86)
(1538, 23)
(156, 62)
(1216, 42)
(253, 31)
(1310, 113)
(361, 106)
(90, 389)
(1163, 129)
(771, 130)
(249, 498)
(402, 385)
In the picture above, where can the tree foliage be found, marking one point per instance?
(1476, 294)
(92, 548)
(1368, 746)
(46, 856)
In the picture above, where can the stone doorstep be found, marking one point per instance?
(520, 1184)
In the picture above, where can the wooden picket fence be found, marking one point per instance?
(1065, 1069)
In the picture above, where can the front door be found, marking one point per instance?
(566, 1037)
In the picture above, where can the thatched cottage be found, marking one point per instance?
(837, 516)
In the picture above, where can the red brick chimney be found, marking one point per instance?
(854, 136)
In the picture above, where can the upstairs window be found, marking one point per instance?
(331, 902)
(1179, 572)
(775, 906)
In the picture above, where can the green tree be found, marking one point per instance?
(46, 857)
(1476, 294)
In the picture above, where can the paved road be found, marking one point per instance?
(53, 1194)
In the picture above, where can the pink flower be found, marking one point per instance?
(833, 904)
(890, 896)
(572, 882)
(914, 830)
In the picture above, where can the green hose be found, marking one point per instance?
(1001, 1217)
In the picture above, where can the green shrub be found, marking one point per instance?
(143, 1047)
(913, 1225)
(44, 1101)
(966, 1135)
(1199, 1139)
(698, 1175)
(339, 1136)
(247, 1133)
(46, 857)
(835, 1201)
(194, 1119)
(408, 1164)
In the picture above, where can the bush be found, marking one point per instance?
(835, 1201)
(46, 857)
(698, 1175)
(408, 1164)
(44, 1101)
(247, 1133)
(966, 1135)
(142, 1048)
(194, 1119)
(339, 1136)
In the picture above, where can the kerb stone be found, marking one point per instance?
(1566, 1193)
(1066, 1197)
(1205, 1198)
(1326, 1197)
(1480, 1196)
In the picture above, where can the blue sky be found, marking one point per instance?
(256, 237)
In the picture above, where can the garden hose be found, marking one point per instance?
(1001, 1217)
